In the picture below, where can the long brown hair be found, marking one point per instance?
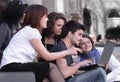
(53, 16)
(33, 15)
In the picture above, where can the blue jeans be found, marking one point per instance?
(94, 75)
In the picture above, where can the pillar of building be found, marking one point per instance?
(50, 4)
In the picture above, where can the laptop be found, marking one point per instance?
(106, 54)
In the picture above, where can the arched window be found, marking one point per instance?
(113, 13)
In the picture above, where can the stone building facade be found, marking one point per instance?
(99, 11)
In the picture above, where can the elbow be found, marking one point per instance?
(65, 75)
(48, 58)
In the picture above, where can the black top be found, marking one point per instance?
(49, 46)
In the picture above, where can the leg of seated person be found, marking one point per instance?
(46, 80)
(54, 74)
(95, 75)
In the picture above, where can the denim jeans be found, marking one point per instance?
(94, 75)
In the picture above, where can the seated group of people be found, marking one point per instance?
(52, 39)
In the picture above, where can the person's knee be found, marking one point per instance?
(52, 65)
(46, 80)
(101, 71)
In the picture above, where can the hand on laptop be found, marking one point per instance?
(107, 66)
(86, 63)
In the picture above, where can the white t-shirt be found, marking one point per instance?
(20, 49)
(114, 64)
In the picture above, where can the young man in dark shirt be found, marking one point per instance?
(71, 35)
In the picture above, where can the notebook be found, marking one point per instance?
(106, 54)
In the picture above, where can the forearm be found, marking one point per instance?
(56, 55)
(45, 54)
(70, 70)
